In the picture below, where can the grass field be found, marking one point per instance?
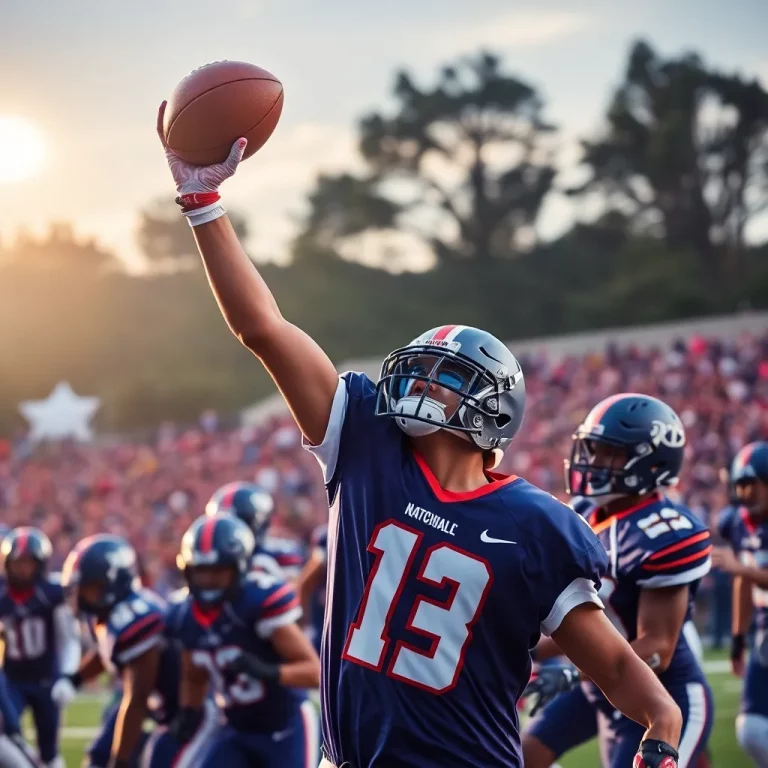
(82, 719)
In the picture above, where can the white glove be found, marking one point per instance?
(63, 692)
(198, 186)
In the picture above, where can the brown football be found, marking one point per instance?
(217, 104)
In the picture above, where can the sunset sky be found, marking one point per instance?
(89, 75)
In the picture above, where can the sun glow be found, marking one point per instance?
(22, 150)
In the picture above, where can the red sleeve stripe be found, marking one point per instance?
(280, 609)
(139, 625)
(123, 645)
(279, 595)
(680, 545)
(682, 561)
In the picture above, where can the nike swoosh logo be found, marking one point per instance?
(490, 540)
(280, 735)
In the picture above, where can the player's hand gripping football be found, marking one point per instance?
(550, 681)
(655, 754)
(195, 179)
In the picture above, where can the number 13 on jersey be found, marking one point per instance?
(447, 624)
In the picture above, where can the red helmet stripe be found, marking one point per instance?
(21, 541)
(206, 534)
(229, 494)
(442, 332)
(600, 409)
(745, 454)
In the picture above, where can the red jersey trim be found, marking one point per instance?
(497, 481)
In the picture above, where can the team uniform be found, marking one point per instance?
(280, 558)
(435, 598)
(319, 543)
(266, 723)
(134, 626)
(653, 545)
(750, 542)
(37, 629)
(570, 719)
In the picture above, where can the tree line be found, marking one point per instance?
(463, 166)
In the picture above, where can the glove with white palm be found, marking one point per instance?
(198, 186)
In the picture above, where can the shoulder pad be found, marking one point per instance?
(136, 625)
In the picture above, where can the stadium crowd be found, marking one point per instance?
(150, 491)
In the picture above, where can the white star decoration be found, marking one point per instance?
(62, 414)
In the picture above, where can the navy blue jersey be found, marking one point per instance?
(319, 545)
(750, 542)
(435, 598)
(135, 626)
(244, 624)
(727, 523)
(29, 630)
(655, 544)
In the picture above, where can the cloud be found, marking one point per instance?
(513, 30)
(271, 188)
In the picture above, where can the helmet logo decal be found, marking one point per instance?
(671, 435)
(453, 346)
(119, 558)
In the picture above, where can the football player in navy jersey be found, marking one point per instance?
(41, 645)
(442, 574)
(281, 558)
(239, 630)
(746, 529)
(311, 585)
(630, 448)
(128, 625)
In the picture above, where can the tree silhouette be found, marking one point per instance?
(463, 164)
(685, 155)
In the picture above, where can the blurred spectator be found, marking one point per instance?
(150, 491)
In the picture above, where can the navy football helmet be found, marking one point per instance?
(28, 541)
(216, 541)
(106, 561)
(750, 463)
(644, 440)
(748, 467)
(472, 364)
(246, 501)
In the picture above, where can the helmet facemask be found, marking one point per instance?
(605, 469)
(426, 389)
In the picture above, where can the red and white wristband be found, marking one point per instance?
(201, 207)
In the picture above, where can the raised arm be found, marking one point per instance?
(304, 374)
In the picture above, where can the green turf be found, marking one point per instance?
(82, 719)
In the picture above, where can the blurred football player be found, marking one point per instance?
(239, 630)
(442, 573)
(282, 558)
(128, 625)
(41, 643)
(626, 453)
(745, 527)
(310, 585)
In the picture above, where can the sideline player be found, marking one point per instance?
(311, 585)
(746, 528)
(238, 630)
(440, 571)
(280, 558)
(41, 644)
(128, 625)
(627, 451)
